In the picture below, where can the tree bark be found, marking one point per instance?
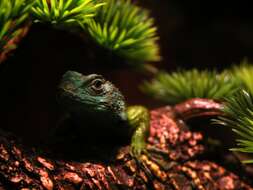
(171, 162)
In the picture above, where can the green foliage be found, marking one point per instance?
(117, 25)
(125, 29)
(179, 86)
(65, 12)
(13, 15)
(244, 73)
(239, 116)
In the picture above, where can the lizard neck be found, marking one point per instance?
(101, 126)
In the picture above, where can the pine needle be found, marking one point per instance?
(244, 73)
(238, 114)
(181, 85)
(65, 12)
(125, 29)
(13, 16)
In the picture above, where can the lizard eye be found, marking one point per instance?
(97, 85)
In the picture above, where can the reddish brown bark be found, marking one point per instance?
(198, 107)
(171, 163)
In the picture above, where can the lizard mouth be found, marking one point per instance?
(66, 97)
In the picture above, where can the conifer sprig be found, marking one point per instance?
(238, 112)
(65, 12)
(13, 16)
(179, 86)
(125, 29)
(244, 74)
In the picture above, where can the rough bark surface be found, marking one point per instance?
(171, 161)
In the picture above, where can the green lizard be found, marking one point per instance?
(93, 98)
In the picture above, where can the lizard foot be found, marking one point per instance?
(137, 149)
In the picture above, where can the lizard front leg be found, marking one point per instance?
(139, 119)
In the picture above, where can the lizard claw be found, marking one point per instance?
(137, 149)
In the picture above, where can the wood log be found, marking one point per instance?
(171, 162)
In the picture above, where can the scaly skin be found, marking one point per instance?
(94, 98)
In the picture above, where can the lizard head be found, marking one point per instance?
(91, 95)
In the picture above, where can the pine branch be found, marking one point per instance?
(13, 17)
(119, 26)
(65, 12)
(125, 29)
(244, 73)
(239, 116)
(182, 85)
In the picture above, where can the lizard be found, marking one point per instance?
(92, 97)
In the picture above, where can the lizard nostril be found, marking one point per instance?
(67, 86)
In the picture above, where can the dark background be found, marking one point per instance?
(201, 34)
